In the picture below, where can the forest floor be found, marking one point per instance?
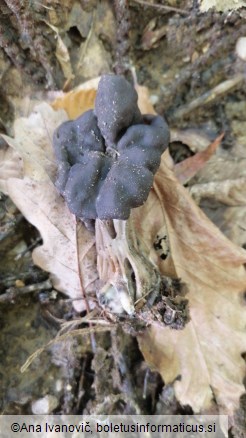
(185, 58)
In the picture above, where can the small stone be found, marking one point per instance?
(19, 283)
(154, 99)
(241, 48)
(59, 385)
(44, 405)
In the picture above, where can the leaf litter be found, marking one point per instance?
(64, 241)
(207, 352)
(205, 358)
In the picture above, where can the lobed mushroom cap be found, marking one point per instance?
(107, 158)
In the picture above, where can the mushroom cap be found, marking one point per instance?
(126, 186)
(72, 138)
(107, 158)
(116, 107)
(84, 183)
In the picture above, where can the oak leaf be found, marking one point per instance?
(205, 357)
(68, 249)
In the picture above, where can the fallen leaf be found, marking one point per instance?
(33, 141)
(232, 223)
(62, 54)
(68, 249)
(10, 167)
(188, 168)
(229, 196)
(222, 5)
(229, 192)
(219, 186)
(195, 139)
(221, 167)
(79, 100)
(93, 59)
(204, 357)
(149, 225)
(144, 103)
(225, 164)
(63, 57)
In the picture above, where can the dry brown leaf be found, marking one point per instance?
(78, 100)
(11, 166)
(207, 353)
(199, 143)
(224, 165)
(221, 167)
(220, 183)
(64, 242)
(93, 58)
(188, 168)
(233, 221)
(149, 224)
(62, 54)
(33, 141)
(230, 192)
(230, 214)
(68, 249)
(144, 103)
(63, 57)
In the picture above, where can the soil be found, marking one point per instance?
(179, 56)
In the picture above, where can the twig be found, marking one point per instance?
(210, 96)
(163, 7)
(14, 292)
(29, 248)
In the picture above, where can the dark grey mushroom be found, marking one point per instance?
(107, 158)
(116, 107)
(143, 144)
(126, 186)
(84, 182)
